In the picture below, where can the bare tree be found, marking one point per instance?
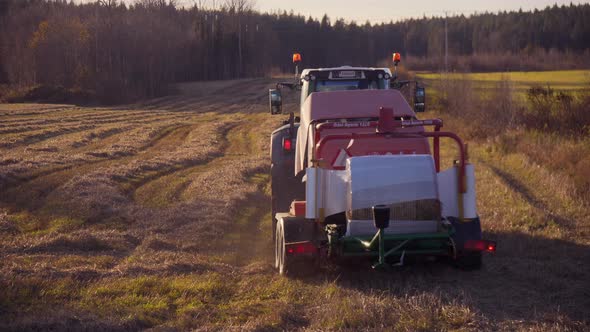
(120, 50)
(240, 7)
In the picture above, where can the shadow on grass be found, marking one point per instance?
(516, 185)
(529, 278)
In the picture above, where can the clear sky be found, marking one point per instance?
(378, 11)
(386, 10)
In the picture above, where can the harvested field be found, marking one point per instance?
(157, 215)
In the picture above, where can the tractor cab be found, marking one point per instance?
(344, 78)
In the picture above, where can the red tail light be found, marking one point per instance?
(491, 247)
(299, 248)
(287, 144)
(480, 245)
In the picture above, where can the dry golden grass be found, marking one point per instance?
(157, 216)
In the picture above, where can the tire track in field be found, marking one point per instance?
(42, 187)
(77, 147)
(251, 238)
(150, 173)
(25, 109)
(43, 132)
(114, 143)
(71, 115)
(149, 191)
(42, 136)
(138, 122)
(224, 191)
(31, 194)
(237, 181)
(233, 141)
(99, 138)
(90, 119)
(180, 104)
(210, 100)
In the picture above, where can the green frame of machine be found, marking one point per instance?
(388, 245)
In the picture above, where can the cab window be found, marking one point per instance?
(326, 85)
(321, 86)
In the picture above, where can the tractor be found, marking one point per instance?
(357, 175)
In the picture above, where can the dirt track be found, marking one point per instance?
(157, 215)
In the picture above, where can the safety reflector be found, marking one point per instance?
(339, 161)
(480, 245)
(300, 248)
(491, 247)
(287, 144)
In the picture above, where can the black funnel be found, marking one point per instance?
(381, 216)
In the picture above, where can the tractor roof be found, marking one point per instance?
(307, 71)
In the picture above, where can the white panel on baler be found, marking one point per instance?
(448, 192)
(390, 179)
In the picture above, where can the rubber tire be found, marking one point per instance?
(469, 261)
(281, 259)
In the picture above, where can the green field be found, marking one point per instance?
(563, 80)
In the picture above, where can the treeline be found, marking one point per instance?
(118, 51)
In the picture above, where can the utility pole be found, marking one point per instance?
(240, 44)
(446, 44)
(96, 68)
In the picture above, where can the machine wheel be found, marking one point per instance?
(466, 260)
(281, 259)
(469, 261)
(290, 265)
